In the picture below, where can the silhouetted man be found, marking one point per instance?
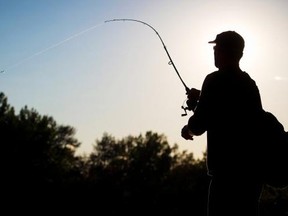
(227, 109)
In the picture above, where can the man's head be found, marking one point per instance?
(229, 48)
(229, 41)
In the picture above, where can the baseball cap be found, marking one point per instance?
(229, 40)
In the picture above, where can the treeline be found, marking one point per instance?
(135, 175)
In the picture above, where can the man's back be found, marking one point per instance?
(228, 107)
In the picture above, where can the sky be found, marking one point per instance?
(61, 58)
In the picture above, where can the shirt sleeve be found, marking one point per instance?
(198, 122)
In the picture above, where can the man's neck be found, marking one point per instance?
(229, 67)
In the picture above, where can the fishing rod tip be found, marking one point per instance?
(111, 20)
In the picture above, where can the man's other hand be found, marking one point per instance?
(186, 133)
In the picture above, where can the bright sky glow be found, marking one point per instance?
(60, 58)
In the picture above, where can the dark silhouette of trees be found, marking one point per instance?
(146, 174)
(36, 148)
(133, 175)
(37, 155)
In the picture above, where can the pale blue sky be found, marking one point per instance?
(114, 77)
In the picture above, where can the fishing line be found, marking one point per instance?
(50, 48)
(170, 59)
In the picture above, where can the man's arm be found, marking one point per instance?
(197, 124)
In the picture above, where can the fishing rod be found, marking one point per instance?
(187, 89)
(170, 59)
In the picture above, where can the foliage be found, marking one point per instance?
(133, 175)
(35, 148)
(146, 173)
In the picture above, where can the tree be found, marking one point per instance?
(143, 174)
(37, 150)
(135, 174)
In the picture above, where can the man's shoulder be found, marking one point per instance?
(220, 74)
(213, 74)
(219, 78)
(247, 78)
